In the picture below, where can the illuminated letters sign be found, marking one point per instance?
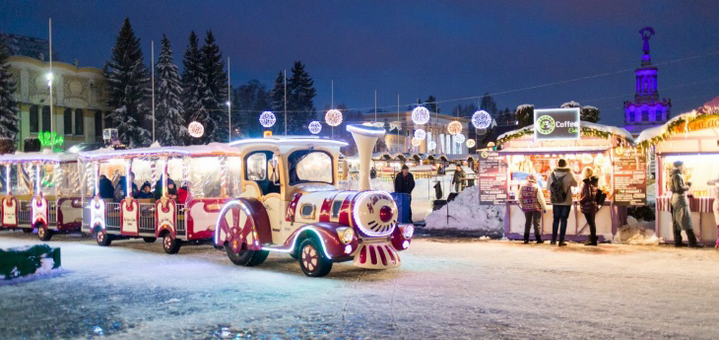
(556, 124)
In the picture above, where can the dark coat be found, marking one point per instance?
(106, 189)
(588, 200)
(458, 176)
(404, 184)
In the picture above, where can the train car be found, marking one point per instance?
(290, 203)
(41, 191)
(187, 188)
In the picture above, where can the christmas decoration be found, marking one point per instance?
(481, 119)
(333, 117)
(196, 130)
(420, 115)
(267, 119)
(432, 145)
(459, 139)
(420, 134)
(471, 143)
(454, 127)
(416, 142)
(315, 127)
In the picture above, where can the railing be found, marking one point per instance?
(24, 211)
(113, 215)
(147, 218)
(180, 218)
(52, 212)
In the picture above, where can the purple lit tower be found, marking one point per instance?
(647, 110)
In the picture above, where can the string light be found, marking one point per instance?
(459, 139)
(454, 127)
(420, 134)
(416, 142)
(481, 119)
(196, 129)
(432, 145)
(333, 117)
(315, 127)
(471, 143)
(420, 115)
(267, 119)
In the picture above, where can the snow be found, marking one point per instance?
(466, 214)
(637, 233)
(446, 288)
(599, 127)
(44, 271)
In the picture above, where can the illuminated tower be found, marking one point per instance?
(646, 110)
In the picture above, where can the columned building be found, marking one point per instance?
(401, 130)
(647, 109)
(79, 100)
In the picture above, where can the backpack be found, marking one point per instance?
(557, 191)
(600, 197)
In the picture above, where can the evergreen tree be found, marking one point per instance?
(431, 104)
(127, 79)
(214, 94)
(525, 115)
(248, 101)
(193, 85)
(8, 105)
(170, 121)
(488, 104)
(277, 103)
(300, 101)
(589, 114)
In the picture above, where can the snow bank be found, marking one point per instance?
(636, 233)
(466, 214)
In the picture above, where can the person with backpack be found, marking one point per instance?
(559, 184)
(681, 214)
(588, 204)
(531, 200)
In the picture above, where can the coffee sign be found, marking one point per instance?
(556, 124)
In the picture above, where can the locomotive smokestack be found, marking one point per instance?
(365, 137)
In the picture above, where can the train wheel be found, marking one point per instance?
(43, 233)
(312, 259)
(102, 238)
(149, 239)
(248, 258)
(170, 244)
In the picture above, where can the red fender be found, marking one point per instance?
(327, 232)
(254, 233)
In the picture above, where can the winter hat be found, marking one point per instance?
(678, 164)
(531, 178)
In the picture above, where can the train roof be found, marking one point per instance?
(286, 143)
(44, 156)
(212, 149)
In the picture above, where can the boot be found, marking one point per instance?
(592, 241)
(678, 238)
(526, 238)
(538, 238)
(693, 240)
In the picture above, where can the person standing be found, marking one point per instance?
(588, 204)
(559, 184)
(458, 178)
(681, 214)
(404, 183)
(715, 206)
(531, 200)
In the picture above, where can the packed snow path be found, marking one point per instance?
(445, 289)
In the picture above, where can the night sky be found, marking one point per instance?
(451, 50)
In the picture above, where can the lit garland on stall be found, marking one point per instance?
(679, 125)
(585, 131)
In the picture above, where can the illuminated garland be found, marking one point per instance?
(589, 132)
(679, 125)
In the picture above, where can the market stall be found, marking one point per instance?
(693, 138)
(607, 150)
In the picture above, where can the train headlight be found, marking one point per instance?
(408, 231)
(346, 235)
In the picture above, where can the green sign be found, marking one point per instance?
(50, 139)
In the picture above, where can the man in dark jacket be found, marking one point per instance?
(565, 181)
(106, 189)
(458, 178)
(404, 183)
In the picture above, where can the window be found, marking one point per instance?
(46, 118)
(307, 211)
(310, 166)
(79, 123)
(98, 124)
(261, 167)
(67, 121)
(645, 115)
(257, 167)
(34, 119)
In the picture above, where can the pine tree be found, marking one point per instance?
(488, 104)
(249, 100)
(277, 102)
(170, 123)
(193, 84)
(214, 95)
(300, 101)
(8, 105)
(525, 115)
(128, 82)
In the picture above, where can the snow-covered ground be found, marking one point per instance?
(445, 289)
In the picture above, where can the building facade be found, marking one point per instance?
(646, 110)
(79, 100)
(400, 131)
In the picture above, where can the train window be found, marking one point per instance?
(310, 166)
(307, 211)
(257, 167)
(336, 206)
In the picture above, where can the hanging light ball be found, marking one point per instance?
(315, 127)
(481, 119)
(196, 129)
(416, 141)
(420, 134)
(432, 145)
(471, 143)
(420, 115)
(267, 119)
(454, 128)
(333, 117)
(459, 139)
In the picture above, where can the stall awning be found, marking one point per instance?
(589, 149)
